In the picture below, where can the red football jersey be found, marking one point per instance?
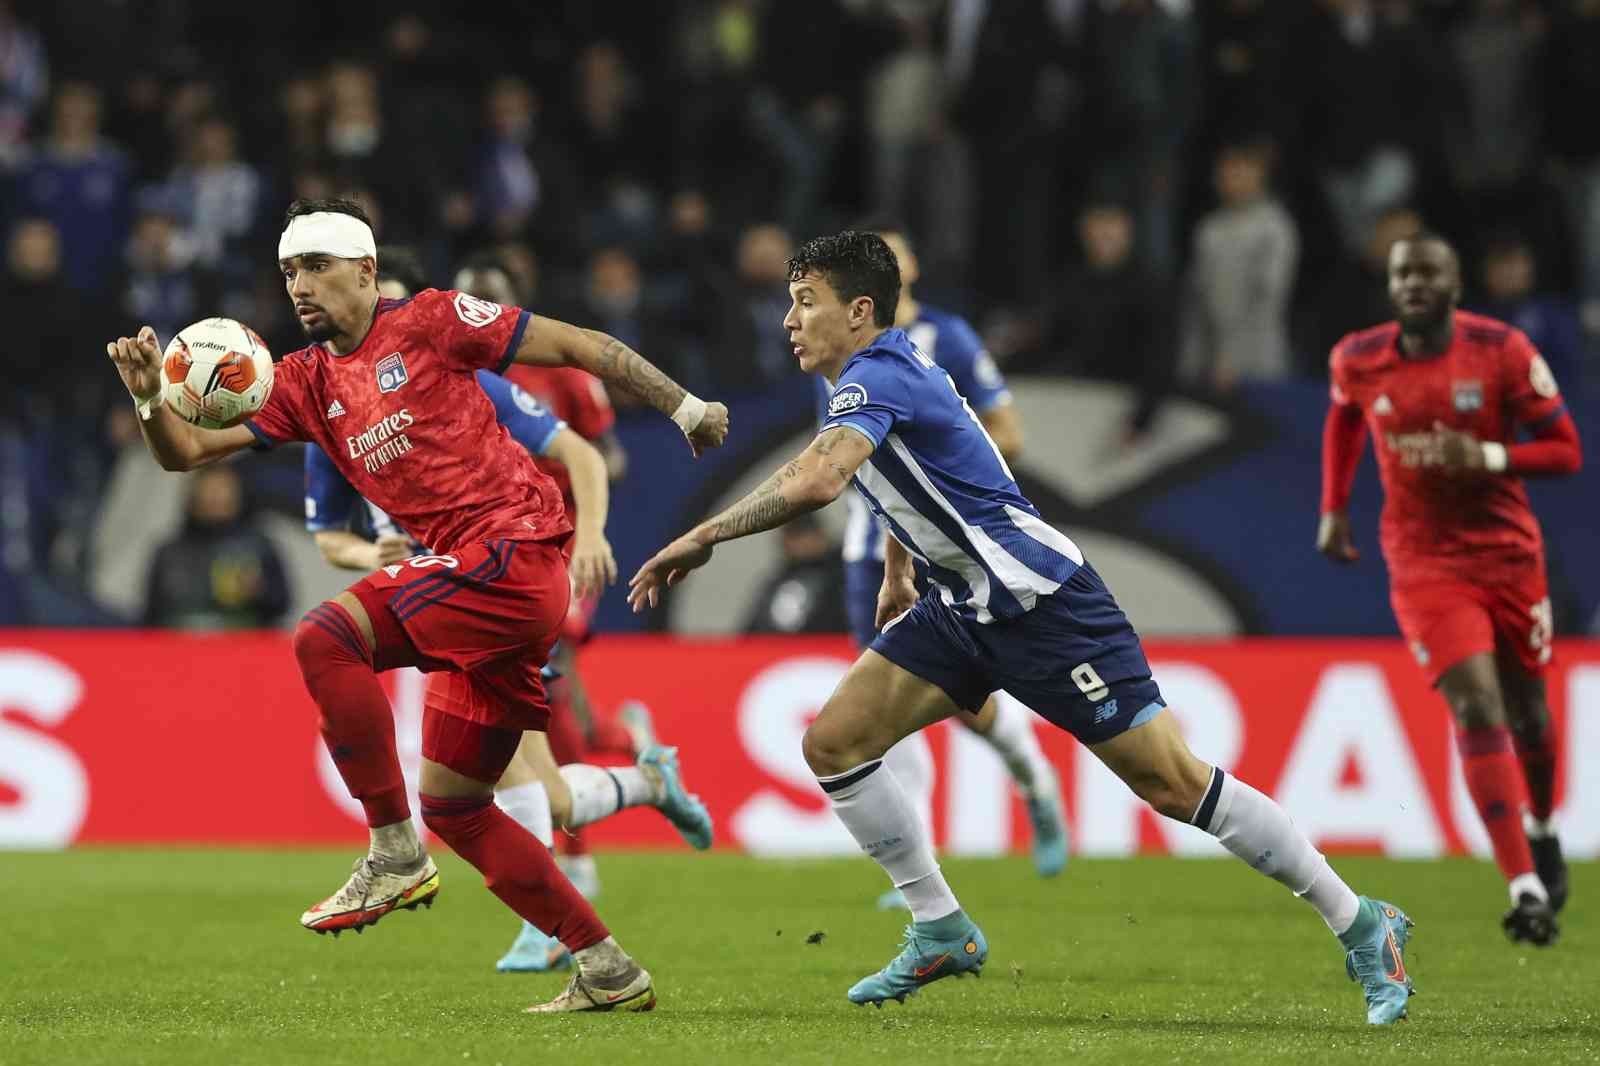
(1490, 381)
(572, 395)
(406, 423)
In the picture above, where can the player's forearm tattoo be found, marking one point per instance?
(620, 365)
(765, 508)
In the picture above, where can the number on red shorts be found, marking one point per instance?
(422, 562)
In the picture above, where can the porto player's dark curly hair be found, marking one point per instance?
(854, 264)
(337, 205)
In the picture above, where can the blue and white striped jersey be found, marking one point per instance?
(331, 500)
(938, 481)
(949, 340)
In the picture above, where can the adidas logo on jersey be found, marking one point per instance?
(1383, 406)
(335, 409)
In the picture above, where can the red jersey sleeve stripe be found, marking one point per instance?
(1548, 420)
(264, 440)
(515, 342)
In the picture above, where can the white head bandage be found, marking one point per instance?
(327, 233)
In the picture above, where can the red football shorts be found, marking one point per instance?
(1448, 620)
(484, 617)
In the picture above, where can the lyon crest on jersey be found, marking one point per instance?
(391, 372)
(1468, 395)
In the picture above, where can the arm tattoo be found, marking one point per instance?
(765, 508)
(620, 365)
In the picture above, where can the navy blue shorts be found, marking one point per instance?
(1074, 659)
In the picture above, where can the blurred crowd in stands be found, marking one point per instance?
(1173, 193)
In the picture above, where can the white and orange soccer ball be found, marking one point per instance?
(216, 373)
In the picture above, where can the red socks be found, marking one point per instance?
(356, 721)
(1494, 779)
(1538, 757)
(516, 867)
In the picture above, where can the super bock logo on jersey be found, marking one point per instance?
(391, 372)
(1468, 395)
(847, 399)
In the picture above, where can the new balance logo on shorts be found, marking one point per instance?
(335, 409)
(1106, 711)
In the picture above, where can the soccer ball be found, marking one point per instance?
(216, 373)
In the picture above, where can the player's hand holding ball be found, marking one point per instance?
(138, 361)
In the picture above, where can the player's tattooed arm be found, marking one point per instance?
(550, 342)
(811, 480)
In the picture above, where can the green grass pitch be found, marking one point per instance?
(173, 957)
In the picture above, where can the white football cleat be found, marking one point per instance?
(376, 887)
(630, 990)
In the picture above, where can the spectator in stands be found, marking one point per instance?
(1349, 62)
(1243, 270)
(221, 571)
(160, 289)
(613, 145)
(1495, 138)
(79, 181)
(521, 185)
(806, 595)
(220, 193)
(397, 173)
(1571, 86)
(1107, 317)
(54, 401)
(24, 79)
(754, 347)
(1141, 102)
(49, 345)
(1510, 278)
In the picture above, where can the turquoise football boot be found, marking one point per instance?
(1376, 946)
(534, 952)
(1049, 822)
(686, 813)
(953, 946)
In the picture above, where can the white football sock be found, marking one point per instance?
(912, 763)
(1013, 739)
(873, 806)
(398, 840)
(1260, 832)
(601, 791)
(529, 806)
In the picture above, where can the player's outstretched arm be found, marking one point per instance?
(806, 483)
(551, 342)
(176, 444)
(593, 567)
(346, 550)
(1344, 435)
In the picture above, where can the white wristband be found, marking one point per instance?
(690, 413)
(1495, 459)
(147, 408)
